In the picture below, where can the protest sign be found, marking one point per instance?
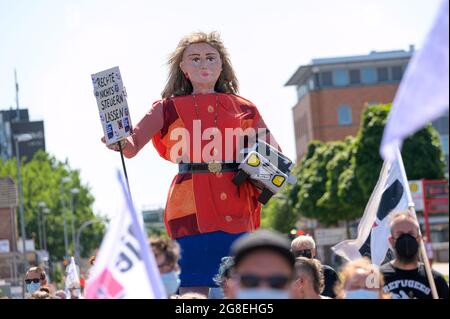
(112, 105)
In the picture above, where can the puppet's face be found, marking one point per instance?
(201, 64)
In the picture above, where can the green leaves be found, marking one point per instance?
(336, 179)
(42, 182)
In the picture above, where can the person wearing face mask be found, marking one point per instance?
(35, 278)
(405, 276)
(167, 254)
(361, 280)
(305, 246)
(263, 267)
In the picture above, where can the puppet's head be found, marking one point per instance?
(179, 84)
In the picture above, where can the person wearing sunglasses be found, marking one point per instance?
(305, 246)
(263, 266)
(35, 278)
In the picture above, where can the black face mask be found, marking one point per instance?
(304, 253)
(406, 247)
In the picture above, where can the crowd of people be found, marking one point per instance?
(267, 265)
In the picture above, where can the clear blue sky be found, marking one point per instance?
(56, 45)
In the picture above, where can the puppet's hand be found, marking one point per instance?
(115, 146)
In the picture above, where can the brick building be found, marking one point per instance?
(9, 257)
(333, 92)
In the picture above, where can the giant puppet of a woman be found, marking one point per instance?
(205, 212)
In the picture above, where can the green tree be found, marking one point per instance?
(42, 182)
(422, 153)
(341, 191)
(313, 177)
(58, 275)
(336, 179)
(280, 213)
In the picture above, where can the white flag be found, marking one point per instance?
(125, 266)
(423, 94)
(390, 194)
(72, 277)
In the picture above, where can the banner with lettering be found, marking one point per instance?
(125, 267)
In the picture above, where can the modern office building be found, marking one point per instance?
(14, 122)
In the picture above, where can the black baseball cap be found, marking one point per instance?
(262, 240)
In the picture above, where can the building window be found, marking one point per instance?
(326, 78)
(344, 115)
(355, 76)
(383, 74)
(368, 75)
(301, 91)
(340, 77)
(397, 73)
(316, 80)
(311, 84)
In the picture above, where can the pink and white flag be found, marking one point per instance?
(125, 266)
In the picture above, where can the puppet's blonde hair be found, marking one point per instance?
(178, 85)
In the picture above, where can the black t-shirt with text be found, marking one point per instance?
(412, 284)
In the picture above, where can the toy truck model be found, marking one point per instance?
(267, 168)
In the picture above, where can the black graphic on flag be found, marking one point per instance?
(389, 200)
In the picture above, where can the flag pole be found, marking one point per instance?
(422, 250)
(124, 167)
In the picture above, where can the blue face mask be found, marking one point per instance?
(262, 293)
(361, 294)
(216, 293)
(32, 287)
(171, 281)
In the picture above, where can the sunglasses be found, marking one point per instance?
(35, 280)
(253, 281)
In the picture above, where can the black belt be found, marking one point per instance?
(215, 167)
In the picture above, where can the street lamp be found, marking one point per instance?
(45, 211)
(41, 206)
(18, 139)
(73, 192)
(66, 242)
(83, 226)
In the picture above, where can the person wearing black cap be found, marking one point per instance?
(263, 266)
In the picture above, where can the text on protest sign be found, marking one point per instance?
(112, 105)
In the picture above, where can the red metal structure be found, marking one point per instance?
(435, 200)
